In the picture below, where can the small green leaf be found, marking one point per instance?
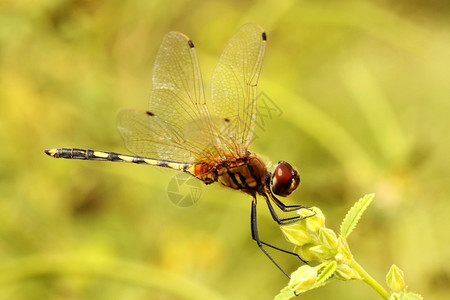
(327, 271)
(354, 214)
(285, 294)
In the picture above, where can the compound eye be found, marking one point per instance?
(284, 179)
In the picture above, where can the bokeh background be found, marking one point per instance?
(363, 90)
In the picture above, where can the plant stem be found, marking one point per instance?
(369, 280)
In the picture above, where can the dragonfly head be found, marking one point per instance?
(285, 179)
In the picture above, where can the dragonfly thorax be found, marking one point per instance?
(247, 173)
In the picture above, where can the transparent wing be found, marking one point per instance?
(177, 99)
(148, 135)
(234, 83)
(178, 125)
(177, 95)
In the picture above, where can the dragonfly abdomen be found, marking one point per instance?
(88, 154)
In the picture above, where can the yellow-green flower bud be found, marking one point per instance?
(328, 238)
(395, 279)
(344, 272)
(303, 279)
(296, 234)
(305, 253)
(339, 258)
(321, 252)
(314, 222)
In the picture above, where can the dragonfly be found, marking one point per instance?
(206, 138)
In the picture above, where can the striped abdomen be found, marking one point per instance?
(75, 153)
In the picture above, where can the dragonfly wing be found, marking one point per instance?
(148, 135)
(234, 83)
(177, 96)
(177, 101)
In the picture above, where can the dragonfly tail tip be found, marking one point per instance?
(50, 152)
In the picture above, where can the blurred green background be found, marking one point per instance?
(363, 87)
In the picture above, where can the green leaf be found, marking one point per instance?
(285, 294)
(354, 214)
(328, 270)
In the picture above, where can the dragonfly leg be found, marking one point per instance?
(281, 205)
(280, 221)
(283, 221)
(255, 237)
(284, 251)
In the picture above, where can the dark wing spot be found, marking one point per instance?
(226, 120)
(150, 113)
(191, 44)
(264, 37)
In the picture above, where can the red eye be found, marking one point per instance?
(284, 179)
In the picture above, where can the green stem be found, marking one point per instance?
(369, 280)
